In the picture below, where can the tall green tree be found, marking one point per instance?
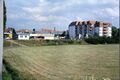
(114, 31)
(4, 15)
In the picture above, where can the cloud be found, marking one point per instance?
(92, 2)
(59, 12)
(114, 12)
(108, 12)
(111, 2)
(32, 10)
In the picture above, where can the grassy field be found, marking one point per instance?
(66, 62)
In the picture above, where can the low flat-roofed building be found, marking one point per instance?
(42, 36)
(23, 36)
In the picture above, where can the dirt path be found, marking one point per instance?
(12, 41)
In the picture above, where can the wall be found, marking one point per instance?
(46, 36)
(49, 38)
(72, 32)
(109, 31)
(23, 37)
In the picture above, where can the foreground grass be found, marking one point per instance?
(65, 62)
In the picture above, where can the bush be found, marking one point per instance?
(9, 44)
(47, 42)
(99, 40)
(70, 41)
(6, 76)
(14, 74)
(6, 43)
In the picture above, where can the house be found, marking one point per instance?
(10, 33)
(84, 29)
(23, 36)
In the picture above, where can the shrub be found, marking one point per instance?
(6, 43)
(14, 74)
(100, 40)
(70, 41)
(6, 76)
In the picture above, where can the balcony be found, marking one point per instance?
(90, 28)
(105, 25)
(105, 32)
(105, 28)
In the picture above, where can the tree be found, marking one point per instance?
(4, 16)
(63, 34)
(115, 34)
(114, 31)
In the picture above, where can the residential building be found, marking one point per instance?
(84, 29)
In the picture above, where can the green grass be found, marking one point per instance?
(50, 42)
(65, 62)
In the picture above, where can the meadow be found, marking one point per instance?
(65, 62)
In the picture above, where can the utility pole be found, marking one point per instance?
(1, 37)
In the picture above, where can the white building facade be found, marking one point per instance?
(23, 36)
(43, 36)
(83, 29)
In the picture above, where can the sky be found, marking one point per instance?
(29, 14)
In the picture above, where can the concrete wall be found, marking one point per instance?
(72, 32)
(46, 36)
(100, 31)
(109, 31)
(49, 38)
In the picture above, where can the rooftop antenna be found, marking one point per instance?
(54, 29)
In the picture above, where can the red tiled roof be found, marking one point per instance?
(96, 23)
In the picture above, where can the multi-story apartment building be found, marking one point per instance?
(82, 29)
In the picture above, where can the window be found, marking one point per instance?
(25, 36)
(21, 36)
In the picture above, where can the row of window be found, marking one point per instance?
(21, 36)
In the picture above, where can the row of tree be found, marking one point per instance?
(4, 16)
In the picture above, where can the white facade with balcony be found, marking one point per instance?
(83, 30)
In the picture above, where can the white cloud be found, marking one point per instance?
(32, 10)
(58, 12)
(112, 11)
(39, 18)
(51, 18)
(16, 16)
(108, 12)
(42, 1)
(72, 2)
(113, 2)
